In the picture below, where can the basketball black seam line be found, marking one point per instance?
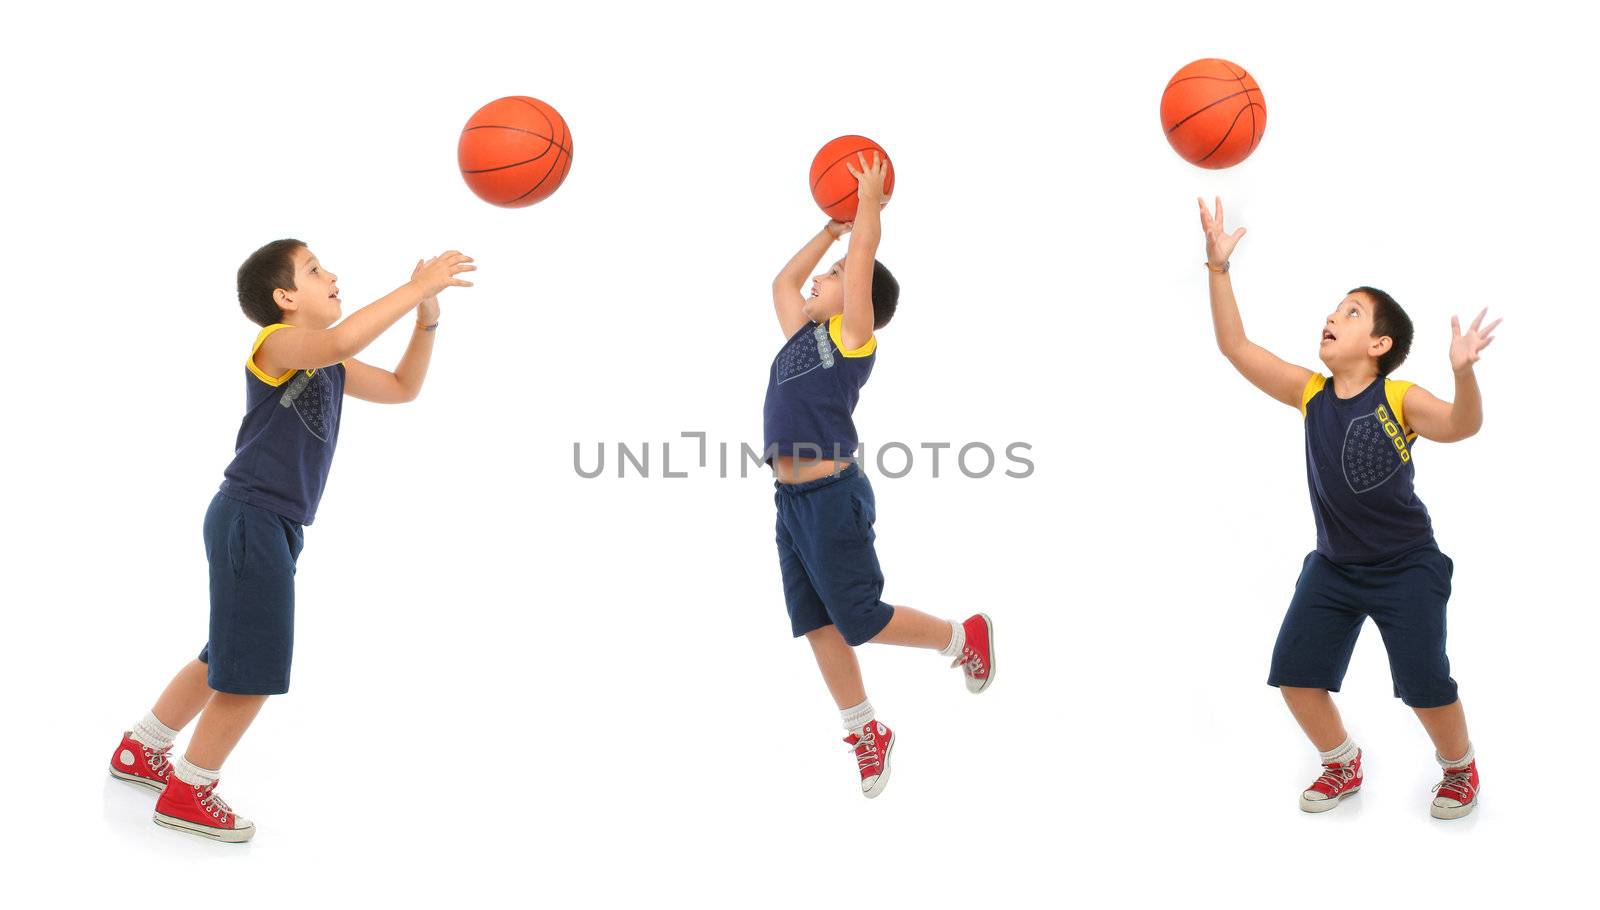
(1255, 137)
(870, 148)
(1177, 80)
(537, 109)
(547, 121)
(503, 167)
(552, 169)
(547, 174)
(1203, 110)
(517, 129)
(1236, 116)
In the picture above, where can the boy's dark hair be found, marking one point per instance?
(1389, 319)
(885, 295)
(267, 269)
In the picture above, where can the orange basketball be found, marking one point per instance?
(1213, 113)
(831, 184)
(515, 151)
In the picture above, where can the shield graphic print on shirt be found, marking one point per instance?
(805, 352)
(312, 398)
(1371, 456)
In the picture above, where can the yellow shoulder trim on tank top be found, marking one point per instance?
(1395, 391)
(1313, 386)
(836, 332)
(251, 360)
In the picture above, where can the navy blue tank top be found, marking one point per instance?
(1359, 467)
(812, 393)
(286, 441)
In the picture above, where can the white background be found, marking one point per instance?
(516, 686)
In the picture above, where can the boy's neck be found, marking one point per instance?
(1350, 382)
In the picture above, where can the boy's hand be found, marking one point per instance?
(869, 180)
(837, 229)
(1465, 349)
(440, 272)
(1219, 245)
(428, 309)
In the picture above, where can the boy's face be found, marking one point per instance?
(1347, 339)
(827, 294)
(313, 302)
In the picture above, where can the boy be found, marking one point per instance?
(831, 578)
(1375, 552)
(299, 369)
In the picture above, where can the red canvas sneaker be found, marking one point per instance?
(1338, 780)
(873, 745)
(1457, 793)
(977, 658)
(139, 764)
(199, 810)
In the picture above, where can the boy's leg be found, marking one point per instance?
(1313, 650)
(141, 755)
(1457, 793)
(184, 697)
(916, 629)
(871, 740)
(1317, 715)
(839, 667)
(1411, 614)
(222, 725)
(1447, 727)
(970, 643)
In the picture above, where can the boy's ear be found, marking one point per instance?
(282, 299)
(1381, 345)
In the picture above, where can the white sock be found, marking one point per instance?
(1461, 762)
(152, 733)
(192, 774)
(958, 640)
(857, 717)
(1338, 755)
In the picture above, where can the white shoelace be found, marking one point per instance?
(969, 661)
(211, 802)
(1457, 785)
(868, 740)
(1335, 778)
(157, 760)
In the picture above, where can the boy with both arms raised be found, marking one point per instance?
(831, 579)
(1375, 554)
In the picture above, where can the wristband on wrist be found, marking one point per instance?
(1219, 270)
(426, 328)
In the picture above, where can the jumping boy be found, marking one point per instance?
(1375, 552)
(298, 371)
(826, 510)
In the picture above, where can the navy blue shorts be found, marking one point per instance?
(1405, 596)
(830, 570)
(252, 553)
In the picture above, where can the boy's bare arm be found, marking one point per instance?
(370, 383)
(297, 348)
(865, 232)
(1283, 381)
(1444, 421)
(787, 297)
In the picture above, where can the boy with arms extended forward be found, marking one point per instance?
(1375, 552)
(299, 369)
(831, 579)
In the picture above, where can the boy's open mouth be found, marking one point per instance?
(1328, 336)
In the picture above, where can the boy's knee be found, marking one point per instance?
(824, 635)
